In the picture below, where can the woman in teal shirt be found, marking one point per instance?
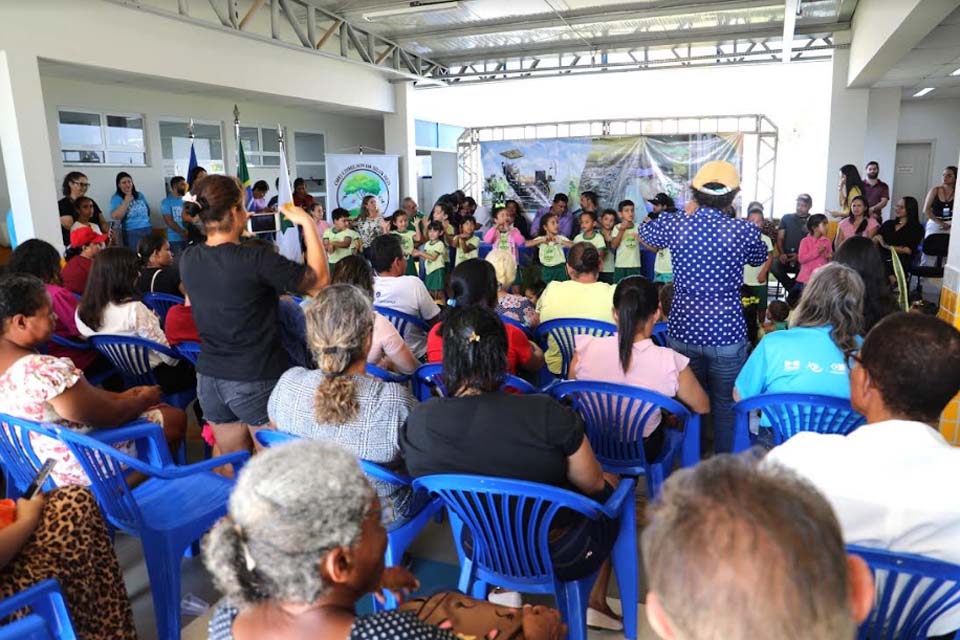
(130, 209)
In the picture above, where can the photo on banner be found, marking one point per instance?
(352, 177)
(615, 167)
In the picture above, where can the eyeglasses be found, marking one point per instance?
(852, 359)
(82, 185)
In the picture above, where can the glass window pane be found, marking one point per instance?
(125, 131)
(84, 157)
(309, 147)
(271, 161)
(126, 157)
(211, 133)
(250, 138)
(80, 129)
(270, 141)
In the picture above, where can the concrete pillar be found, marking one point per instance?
(950, 312)
(883, 122)
(848, 128)
(400, 137)
(26, 149)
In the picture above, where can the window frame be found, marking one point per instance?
(260, 152)
(105, 148)
(196, 121)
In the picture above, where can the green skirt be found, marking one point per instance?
(557, 272)
(606, 276)
(619, 273)
(413, 269)
(437, 280)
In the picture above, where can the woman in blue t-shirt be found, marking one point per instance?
(130, 209)
(810, 357)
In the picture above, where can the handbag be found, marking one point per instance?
(467, 617)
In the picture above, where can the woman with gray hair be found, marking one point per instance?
(337, 401)
(511, 305)
(809, 358)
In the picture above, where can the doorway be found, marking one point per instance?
(912, 171)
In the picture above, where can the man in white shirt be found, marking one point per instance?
(737, 550)
(407, 294)
(893, 482)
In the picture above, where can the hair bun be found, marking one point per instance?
(202, 203)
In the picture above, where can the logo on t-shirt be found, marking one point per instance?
(814, 367)
(838, 369)
(791, 365)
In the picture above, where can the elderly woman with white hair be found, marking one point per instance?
(303, 541)
(337, 401)
(509, 304)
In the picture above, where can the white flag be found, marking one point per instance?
(289, 240)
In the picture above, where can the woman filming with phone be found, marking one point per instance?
(235, 291)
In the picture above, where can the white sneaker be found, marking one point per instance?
(505, 598)
(600, 620)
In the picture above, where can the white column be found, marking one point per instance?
(26, 149)
(400, 137)
(848, 128)
(880, 145)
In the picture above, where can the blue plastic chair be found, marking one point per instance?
(398, 537)
(519, 325)
(509, 521)
(169, 511)
(189, 351)
(48, 618)
(402, 322)
(564, 331)
(911, 593)
(160, 303)
(78, 345)
(131, 356)
(20, 462)
(387, 376)
(659, 335)
(615, 415)
(428, 378)
(791, 413)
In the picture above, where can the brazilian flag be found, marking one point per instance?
(243, 174)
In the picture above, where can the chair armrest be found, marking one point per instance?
(235, 459)
(377, 471)
(690, 449)
(46, 600)
(156, 453)
(614, 504)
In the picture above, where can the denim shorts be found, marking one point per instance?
(225, 401)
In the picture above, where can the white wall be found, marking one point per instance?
(796, 97)
(341, 131)
(933, 120)
(883, 117)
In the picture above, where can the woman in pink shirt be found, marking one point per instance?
(636, 308)
(815, 250)
(504, 235)
(858, 223)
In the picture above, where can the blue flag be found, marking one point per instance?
(193, 161)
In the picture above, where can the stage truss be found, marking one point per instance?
(760, 135)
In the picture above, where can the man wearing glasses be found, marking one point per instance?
(75, 185)
(893, 482)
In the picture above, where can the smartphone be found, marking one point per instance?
(264, 223)
(41, 478)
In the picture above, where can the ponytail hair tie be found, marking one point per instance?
(452, 303)
(474, 337)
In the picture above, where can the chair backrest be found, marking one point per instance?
(659, 335)
(48, 618)
(911, 593)
(615, 416)
(76, 345)
(386, 376)
(791, 413)
(402, 321)
(104, 466)
(160, 303)
(190, 351)
(19, 460)
(519, 325)
(509, 520)
(270, 438)
(564, 331)
(936, 244)
(131, 356)
(428, 378)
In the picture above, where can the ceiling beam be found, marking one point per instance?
(658, 39)
(591, 15)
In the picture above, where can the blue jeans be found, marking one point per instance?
(131, 237)
(716, 369)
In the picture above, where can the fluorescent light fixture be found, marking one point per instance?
(956, 72)
(923, 92)
(412, 8)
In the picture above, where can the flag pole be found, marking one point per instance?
(236, 130)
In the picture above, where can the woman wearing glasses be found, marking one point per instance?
(75, 185)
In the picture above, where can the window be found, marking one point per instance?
(261, 147)
(175, 146)
(311, 162)
(98, 138)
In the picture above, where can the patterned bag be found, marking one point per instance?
(468, 618)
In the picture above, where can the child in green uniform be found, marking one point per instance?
(588, 233)
(468, 245)
(435, 256)
(607, 222)
(409, 238)
(551, 243)
(340, 240)
(625, 241)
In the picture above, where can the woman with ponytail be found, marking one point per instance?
(640, 362)
(337, 401)
(157, 273)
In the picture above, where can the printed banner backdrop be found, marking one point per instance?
(615, 167)
(352, 177)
